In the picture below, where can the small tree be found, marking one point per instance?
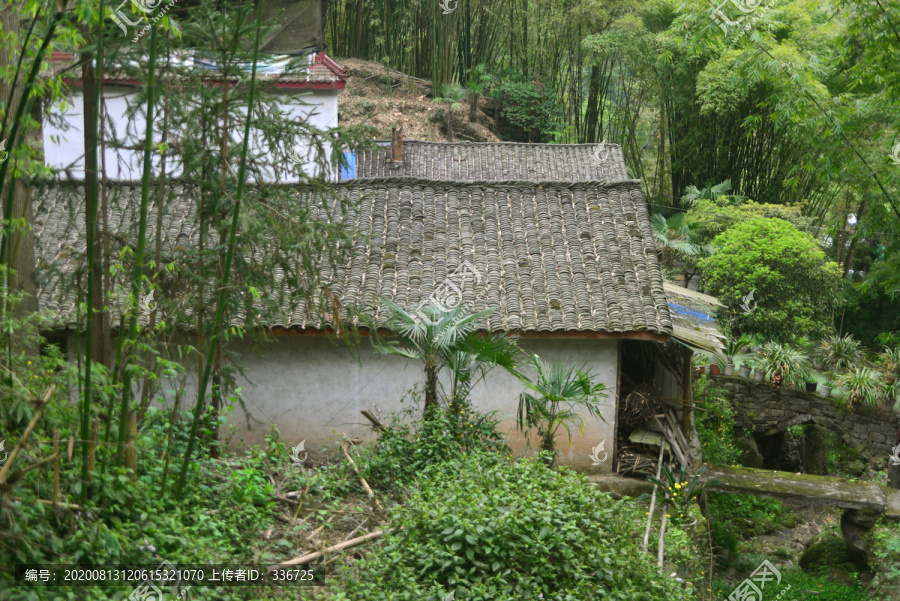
(795, 287)
(559, 393)
(448, 340)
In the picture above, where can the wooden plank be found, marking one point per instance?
(673, 444)
(676, 432)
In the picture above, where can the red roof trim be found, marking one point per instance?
(323, 59)
(320, 59)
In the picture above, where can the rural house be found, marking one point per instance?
(564, 255)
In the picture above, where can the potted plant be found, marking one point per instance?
(889, 364)
(826, 388)
(840, 353)
(733, 346)
(783, 364)
(863, 386)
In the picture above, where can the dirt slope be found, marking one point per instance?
(407, 103)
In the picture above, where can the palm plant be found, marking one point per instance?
(840, 353)
(556, 394)
(862, 384)
(733, 346)
(448, 340)
(889, 362)
(784, 364)
(675, 236)
(454, 97)
(692, 193)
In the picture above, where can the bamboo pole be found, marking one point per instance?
(662, 448)
(229, 258)
(345, 449)
(130, 448)
(56, 466)
(310, 557)
(92, 449)
(662, 535)
(26, 434)
(138, 274)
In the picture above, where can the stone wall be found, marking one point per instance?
(767, 410)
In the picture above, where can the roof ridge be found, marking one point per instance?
(436, 143)
(488, 182)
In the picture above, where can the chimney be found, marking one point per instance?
(396, 147)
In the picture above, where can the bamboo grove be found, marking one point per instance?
(156, 315)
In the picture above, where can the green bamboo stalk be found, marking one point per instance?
(91, 224)
(17, 122)
(229, 256)
(138, 274)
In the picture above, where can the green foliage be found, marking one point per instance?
(715, 425)
(530, 106)
(800, 585)
(884, 550)
(496, 531)
(448, 340)
(712, 217)
(692, 194)
(840, 353)
(734, 345)
(795, 286)
(784, 364)
(402, 453)
(679, 491)
(559, 394)
(862, 386)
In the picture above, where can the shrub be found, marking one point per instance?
(402, 453)
(784, 365)
(863, 385)
(840, 353)
(491, 530)
(715, 425)
(531, 106)
(795, 287)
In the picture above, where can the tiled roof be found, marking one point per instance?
(550, 257)
(498, 161)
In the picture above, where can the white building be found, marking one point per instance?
(309, 93)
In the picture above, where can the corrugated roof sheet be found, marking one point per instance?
(551, 257)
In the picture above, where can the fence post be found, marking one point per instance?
(130, 449)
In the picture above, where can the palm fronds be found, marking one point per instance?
(557, 393)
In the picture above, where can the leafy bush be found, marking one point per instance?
(840, 353)
(531, 106)
(863, 386)
(795, 286)
(402, 453)
(712, 217)
(784, 364)
(498, 531)
(560, 392)
(715, 425)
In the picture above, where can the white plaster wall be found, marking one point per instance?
(314, 391)
(64, 149)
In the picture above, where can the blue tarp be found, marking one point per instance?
(691, 312)
(349, 172)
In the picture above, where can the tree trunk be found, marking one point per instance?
(100, 350)
(431, 403)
